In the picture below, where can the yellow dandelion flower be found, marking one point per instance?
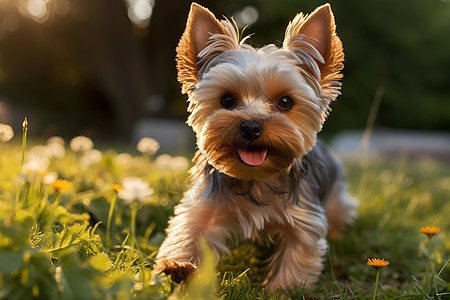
(61, 184)
(430, 231)
(117, 187)
(377, 263)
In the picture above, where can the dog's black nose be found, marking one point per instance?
(250, 130)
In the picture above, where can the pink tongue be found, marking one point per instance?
(253, 157)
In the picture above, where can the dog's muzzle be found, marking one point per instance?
(250, 130)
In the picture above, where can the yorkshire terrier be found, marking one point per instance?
(260, 173)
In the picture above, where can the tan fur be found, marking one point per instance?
(281, 201)
(194, 39)
(330, 47)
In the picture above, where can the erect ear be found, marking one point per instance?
(200, 27)
(319, 31)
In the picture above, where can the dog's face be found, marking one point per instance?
(255, 111)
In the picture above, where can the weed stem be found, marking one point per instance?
(428, 261)
(108, 224)
(376, 284)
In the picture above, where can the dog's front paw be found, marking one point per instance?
(178, 271)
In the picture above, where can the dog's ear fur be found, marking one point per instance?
(319, 30)
(200, 27)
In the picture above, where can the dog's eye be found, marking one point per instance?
(228, 102)
(285, 103)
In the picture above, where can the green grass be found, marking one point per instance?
(53, 244)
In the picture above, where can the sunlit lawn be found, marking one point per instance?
(84, 240)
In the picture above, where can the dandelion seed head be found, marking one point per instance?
(48, 151)
(37, 152)
(81, 144)
(55, 150)
(147, 145)
(90, 158)
(180, 163)
(36, 165)
(56, 140)
(167, 163)
(35, 169)
(49, 178)
(6, 133)
(38, 158)
(135, 189)
(123, 159)
(162, 162)
(56, 147)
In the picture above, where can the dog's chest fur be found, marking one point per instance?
(281, 201)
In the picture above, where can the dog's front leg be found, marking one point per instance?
(297, 260)
(179, 253)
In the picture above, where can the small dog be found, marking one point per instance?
(259, 173)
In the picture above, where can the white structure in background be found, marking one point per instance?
(174, 136)
(392, 144)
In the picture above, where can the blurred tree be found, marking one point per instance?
(161, 38)
(401, 46)
(116, 59)
(85, 69)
